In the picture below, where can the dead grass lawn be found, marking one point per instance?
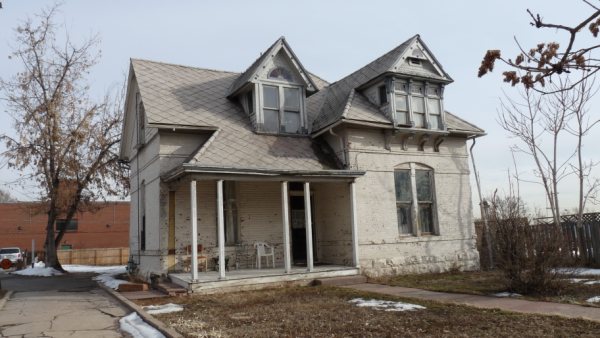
(325, 312)
(487, 283)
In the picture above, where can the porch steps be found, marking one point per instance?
(339, 281)
(171, 289)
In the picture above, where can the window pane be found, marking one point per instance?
(291, 123)
(402, 185)
(436, 121)
(419, 120)
(271, 120)
(426, 218)
(423, 178)
(402, 117)
(433, 106)
(417, 88)
(291, 98)
(271, 97)
(404, 218)
(418, 104)
(401, 104)
(383, 98)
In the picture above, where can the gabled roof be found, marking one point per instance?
(331, 108)
(250, 73)
(186, 96)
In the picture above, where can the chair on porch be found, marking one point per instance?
(264, 250)
(244, 256)
(202, 260)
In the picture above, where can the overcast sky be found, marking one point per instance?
(331, 38)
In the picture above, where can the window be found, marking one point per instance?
(250, 102)
(415, 200)
(383, 99)
(282, 109)
(280, 73)
(230, 210)
(70, 226)
(142, 215)
(140, 112)
(420, 103)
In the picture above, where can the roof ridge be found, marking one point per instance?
(348, 103)
(184, 66)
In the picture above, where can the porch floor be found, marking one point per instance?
(249, 279)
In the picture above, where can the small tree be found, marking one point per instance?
(6, 197)
(65, 141)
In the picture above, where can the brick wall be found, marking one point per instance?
(106, 228)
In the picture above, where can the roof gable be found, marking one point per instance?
(417, 60)
(276, 53)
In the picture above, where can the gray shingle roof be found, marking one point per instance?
(180, 95)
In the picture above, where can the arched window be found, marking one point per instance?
(280, 73)
(415, 199)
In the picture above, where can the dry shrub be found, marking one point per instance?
(528, 255)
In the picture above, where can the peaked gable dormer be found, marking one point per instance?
(273, 91)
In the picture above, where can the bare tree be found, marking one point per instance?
(65, 141)
(540, 63)
(6, 197)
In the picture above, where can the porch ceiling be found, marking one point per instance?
(206, 173)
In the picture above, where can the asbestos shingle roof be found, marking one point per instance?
(455, 123)
(179, 95)
(359, 108)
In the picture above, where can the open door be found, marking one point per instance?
(298, 229)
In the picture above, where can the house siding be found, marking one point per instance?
(382, 250)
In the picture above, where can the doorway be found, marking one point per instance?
(298, 229)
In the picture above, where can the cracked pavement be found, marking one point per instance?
(61, 306)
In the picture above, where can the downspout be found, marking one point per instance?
(343, 147)
(482, 209)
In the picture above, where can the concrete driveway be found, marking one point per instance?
(71, 305)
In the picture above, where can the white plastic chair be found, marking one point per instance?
(264, 250)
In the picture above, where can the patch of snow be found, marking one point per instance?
(135, 326)
(592, 282)
(39, 264)
(594, 299)
(166, 308)
(580, 271)
(109, 280)
(385, 305)
(576, 280)
(38, 271)
(507, 294)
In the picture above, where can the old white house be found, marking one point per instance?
(368, 174)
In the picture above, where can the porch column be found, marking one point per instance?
(285, 212)
(308, 219)
(194, 217)
(221, 229)
(354, 225)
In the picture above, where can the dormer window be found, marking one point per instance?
(282, 109)
(418, 104)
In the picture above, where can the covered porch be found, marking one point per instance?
(308, 220)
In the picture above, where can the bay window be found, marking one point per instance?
(419, 104)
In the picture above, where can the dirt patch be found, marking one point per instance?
(326, 311)
(491, 282)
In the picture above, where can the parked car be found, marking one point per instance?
(14, 255)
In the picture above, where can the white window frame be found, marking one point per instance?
(410, 95)
(301, 91)
(415, 227)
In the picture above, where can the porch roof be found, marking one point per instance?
(262, 174)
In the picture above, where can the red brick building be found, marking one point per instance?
(108, 227)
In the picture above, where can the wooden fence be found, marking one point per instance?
(581, 243)
(100, 256)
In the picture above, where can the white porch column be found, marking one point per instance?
(355, 261)
(308, 219)
(194, 217)
(221, 229)
(285, 212)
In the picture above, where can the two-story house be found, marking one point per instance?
(368, 174)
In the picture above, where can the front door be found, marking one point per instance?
(298, 229)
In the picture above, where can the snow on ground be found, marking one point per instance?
(507, 294)
(166, 308)
(592, 282)
(576, 280)
(105, 273)
(594, 299)
(135, 326)
(385, 305)
(579, 271)
(38, 270)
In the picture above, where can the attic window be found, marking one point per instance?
(282, 109)
(414, 61)
(280, 73)
(383, 99)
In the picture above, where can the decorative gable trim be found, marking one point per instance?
(252, 73)
(417, 50)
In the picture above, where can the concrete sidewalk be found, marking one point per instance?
(55, 313)
(486, 302)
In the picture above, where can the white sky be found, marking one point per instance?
(331, 38)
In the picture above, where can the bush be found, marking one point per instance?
(528, 255)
